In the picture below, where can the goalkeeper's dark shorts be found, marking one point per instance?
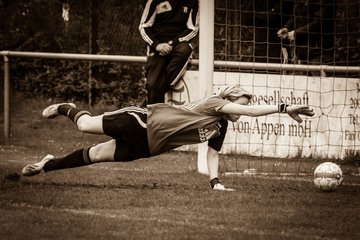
(128, 127)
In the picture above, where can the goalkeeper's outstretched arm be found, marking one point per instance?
(260, 110)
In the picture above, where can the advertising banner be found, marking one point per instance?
(334, 131)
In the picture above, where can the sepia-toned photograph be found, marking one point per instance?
(180, 119)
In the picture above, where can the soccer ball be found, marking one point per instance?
(328, 176)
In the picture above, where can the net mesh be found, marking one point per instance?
(326, 33)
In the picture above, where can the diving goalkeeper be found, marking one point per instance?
(144, 132)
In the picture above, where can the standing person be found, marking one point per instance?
(310, 30)
(145, 132)
(167, 28)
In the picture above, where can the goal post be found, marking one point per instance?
(239, 47)
(206, 66)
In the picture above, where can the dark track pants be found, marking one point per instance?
(164, 71)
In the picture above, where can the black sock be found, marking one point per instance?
(77, 158)
(213, 182)
(71, 112)
(63, 109)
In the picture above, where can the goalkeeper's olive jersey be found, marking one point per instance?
(169, 127)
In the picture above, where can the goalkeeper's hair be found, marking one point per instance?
(232, 93)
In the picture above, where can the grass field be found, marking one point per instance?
(158, 198)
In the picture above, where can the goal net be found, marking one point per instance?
(294, 52)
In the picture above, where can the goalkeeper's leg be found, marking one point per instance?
(99, 153)
(82, 118)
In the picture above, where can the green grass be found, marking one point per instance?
(158, 198)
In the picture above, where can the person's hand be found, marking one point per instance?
(164, 49)
(295, 110)
(291, 36)
(283, 33)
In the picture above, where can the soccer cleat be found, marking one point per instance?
(52, 110)
(36, 168)
(221, 187)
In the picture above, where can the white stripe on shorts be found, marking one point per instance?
(138, 119)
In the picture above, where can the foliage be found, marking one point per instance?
(38, 25)
(113, 84)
